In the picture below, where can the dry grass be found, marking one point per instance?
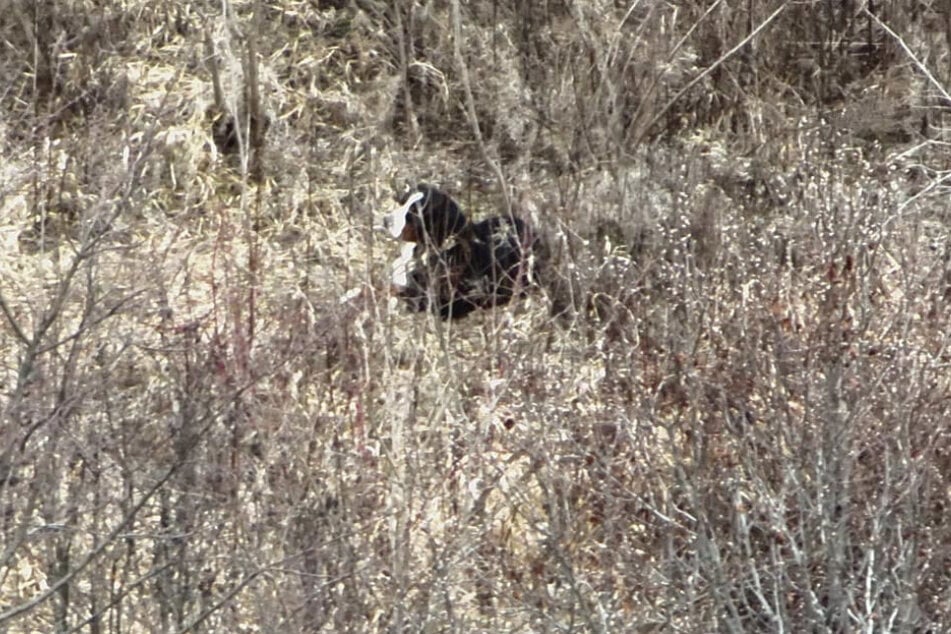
(725, 408)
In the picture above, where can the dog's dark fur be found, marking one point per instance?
(486, 265)
(433, 219)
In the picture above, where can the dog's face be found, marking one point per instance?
(425, 215)
(403, 223)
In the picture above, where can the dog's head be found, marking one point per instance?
(426, 215)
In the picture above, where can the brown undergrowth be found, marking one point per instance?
(724, 408)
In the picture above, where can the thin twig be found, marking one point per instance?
(709, 69)
(470, 103)
(914, 58)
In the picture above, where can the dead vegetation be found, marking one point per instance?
(725, 409)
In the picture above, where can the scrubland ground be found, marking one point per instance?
(725, 407)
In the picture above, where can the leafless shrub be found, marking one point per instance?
(724, 408)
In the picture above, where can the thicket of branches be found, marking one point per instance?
(725, 408)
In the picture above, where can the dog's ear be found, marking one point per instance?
(441, 216)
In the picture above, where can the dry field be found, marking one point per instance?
(726, 406)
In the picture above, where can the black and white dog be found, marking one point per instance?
(452, 266)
